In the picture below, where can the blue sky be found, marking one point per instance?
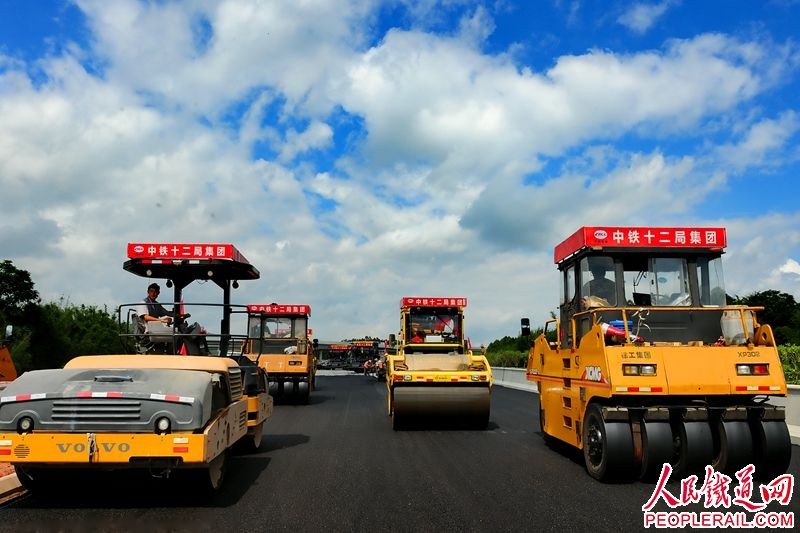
(358, 152)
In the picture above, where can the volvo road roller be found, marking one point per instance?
(433, 376)
(649, 365)
(160, 411)
(278, 341)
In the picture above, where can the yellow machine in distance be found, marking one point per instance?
(278, 341)
(433, 373)
(649, 365)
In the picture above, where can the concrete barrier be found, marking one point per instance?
(514, 378)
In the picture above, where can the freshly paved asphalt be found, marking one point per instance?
(336, 465)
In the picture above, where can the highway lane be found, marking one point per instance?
(336, 465)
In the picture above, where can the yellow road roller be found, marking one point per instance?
(647, 364)
(434, 376)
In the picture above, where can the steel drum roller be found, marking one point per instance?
(439, 401)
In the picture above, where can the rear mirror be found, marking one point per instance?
(392, 339)
(9, 331)
(525, 326)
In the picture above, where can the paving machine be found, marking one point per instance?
(434, 374)
(155, 412)
(278, 341)
(647, 364)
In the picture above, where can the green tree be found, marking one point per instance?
(54, 333)
(16, 292)
(511, 351)
(781, 311)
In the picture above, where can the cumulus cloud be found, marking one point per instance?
(316, 135)
(762, 143)
(760, 253)
(153, 47)
(790, 267)
(469, 116)
(640, 17)
(635, 189)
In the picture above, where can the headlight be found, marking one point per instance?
(25, 424)
(162, 425)
(647, 370)
(638, 370)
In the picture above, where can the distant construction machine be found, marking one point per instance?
(278, 341)
(434, 374)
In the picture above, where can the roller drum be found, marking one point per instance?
(419, 402)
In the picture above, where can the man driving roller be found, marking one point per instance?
(600, 285)
(150, 310)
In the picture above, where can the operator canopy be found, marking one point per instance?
(189, 261)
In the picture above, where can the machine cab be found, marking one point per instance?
(433, 321)
(667, 282)
(278, 328)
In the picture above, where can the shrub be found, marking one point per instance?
(507, 358)
(790, 359)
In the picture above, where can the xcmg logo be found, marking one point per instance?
(593, 373)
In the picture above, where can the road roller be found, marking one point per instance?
(433, 376)
(646, 364)
(159, 412)
(278, 341)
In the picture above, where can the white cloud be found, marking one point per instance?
(469, 116)
(475, 29)
(790, 267)
(291, 46)
(640, 17)
(762, 143)
(316, 135)
(761, 253)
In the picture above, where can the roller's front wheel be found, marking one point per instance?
(607, 447)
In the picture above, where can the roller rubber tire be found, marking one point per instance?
(734, 446)
(303, 392)
(773, 448)
(693, 447)
(656, 449)
(607, 447)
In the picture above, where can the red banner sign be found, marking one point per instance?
(279, 309)
(362, 343)
(339, 347)
(193, 251)
(409, 301)
(640, 237)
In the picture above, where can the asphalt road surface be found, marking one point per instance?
(336, 465)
